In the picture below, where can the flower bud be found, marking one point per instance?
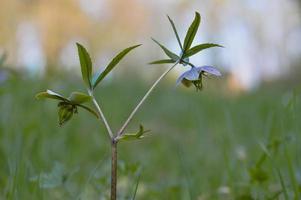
(65, 113)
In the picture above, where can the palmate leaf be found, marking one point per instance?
(198, 48)
(165, 61)
(86, 65)
(191, 32)
(170, 54)
(112, 64)
(175, 31)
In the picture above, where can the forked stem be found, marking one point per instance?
(126, 123)
(114, 140)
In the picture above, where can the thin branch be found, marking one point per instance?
(102, 116)
(126, 123)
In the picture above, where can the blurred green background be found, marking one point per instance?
(237, 139)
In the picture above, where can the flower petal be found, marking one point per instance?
(192, 74)
(209, 70)
(180, 79)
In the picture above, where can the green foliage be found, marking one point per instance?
(258, 174)
(170, 54)
(165, 61)
(134, 136)
(86, 65)
(68, 106)
(191, 32)
(219, 144)
(220, 163)
(186, 51)
(79, 98)
(196, 49)
(175, 31)
(112, 64)
(51, 95)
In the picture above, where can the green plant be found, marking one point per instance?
(68, 106)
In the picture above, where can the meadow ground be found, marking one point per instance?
(206, 145)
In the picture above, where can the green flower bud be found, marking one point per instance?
(65, 112)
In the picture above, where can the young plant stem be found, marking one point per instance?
(114, 170)
(113, 150)
(126, 123)
(102, 116)
(114, 140)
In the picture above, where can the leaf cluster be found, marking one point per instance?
(186, 49)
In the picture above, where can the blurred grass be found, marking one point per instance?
(202, 145)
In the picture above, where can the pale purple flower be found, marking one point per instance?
(195, 74)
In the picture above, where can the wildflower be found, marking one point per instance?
(195, 75)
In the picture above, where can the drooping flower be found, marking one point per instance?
(195, 75)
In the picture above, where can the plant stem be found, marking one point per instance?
(114, 140)
(114, 170)
(113, 149)
(102, 116)
(126, 123)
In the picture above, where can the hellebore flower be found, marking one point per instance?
(195, 75)
(67, 106)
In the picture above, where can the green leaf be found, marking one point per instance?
(199, 48)
(170, 54)
(258, 174)
(89, 110)
(134, 136)
(175, 31)
(79, 98)
(137, 184)
(50, 95)
(192, 32)
(113, 63)
(165, 61)
(86, 64)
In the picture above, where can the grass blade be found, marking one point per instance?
(282, 184)
(293, 178)
(136, 187)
